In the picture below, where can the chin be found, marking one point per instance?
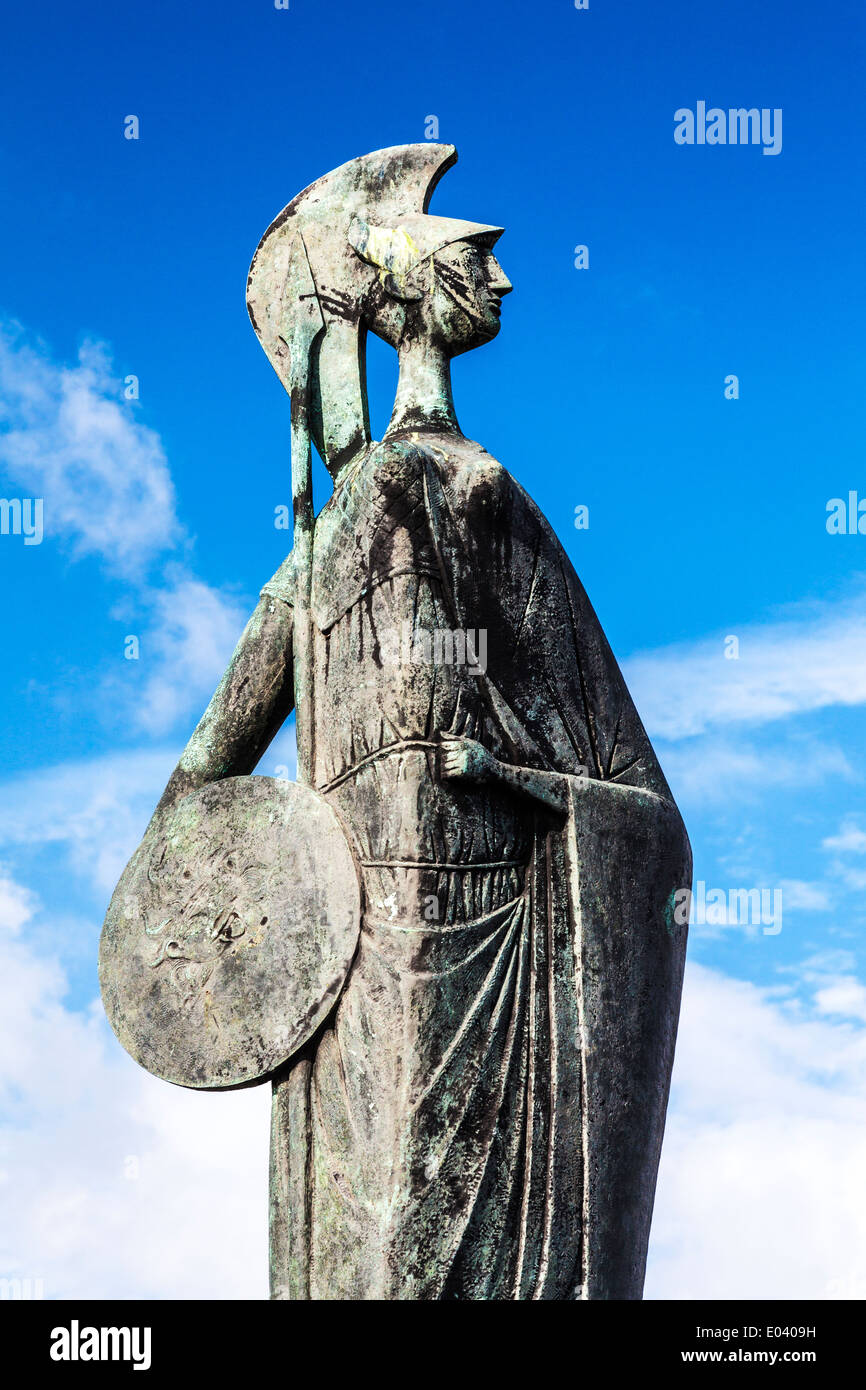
(482, 330)
(487, 328)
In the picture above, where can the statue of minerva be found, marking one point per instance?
(450, 945)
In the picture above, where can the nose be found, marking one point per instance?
(497, 279)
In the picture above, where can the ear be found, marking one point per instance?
(394, 254)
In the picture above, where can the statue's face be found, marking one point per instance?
(464, 308)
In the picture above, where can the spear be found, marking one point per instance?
(301, 323)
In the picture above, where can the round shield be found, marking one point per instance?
(230, 933)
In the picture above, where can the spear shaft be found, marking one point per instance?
(302, 322)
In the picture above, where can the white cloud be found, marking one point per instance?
(17, 904)
(114, 1184)
(67, 435)
(715, 768)
(814, 659)
(800, 896)
(850, 840)
(760, 1190)
(191, 631)
(95, 809)
(830, 962)
(844, 998)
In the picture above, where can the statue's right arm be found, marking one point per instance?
(251, 702)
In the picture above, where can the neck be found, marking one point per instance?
(424, 400)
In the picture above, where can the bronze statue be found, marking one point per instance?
(453, 951)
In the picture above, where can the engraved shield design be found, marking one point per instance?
(230, 933)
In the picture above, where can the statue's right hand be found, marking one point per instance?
(465, 758)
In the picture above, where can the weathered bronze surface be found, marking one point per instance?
(221, 954)
(479, 1113)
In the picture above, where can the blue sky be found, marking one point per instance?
(605, 388)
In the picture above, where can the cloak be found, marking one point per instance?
(530, 1156)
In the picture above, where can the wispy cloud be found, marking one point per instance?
(766, 1120)
(94, 811)
(17, 904)
(189, 632)
(844, 997)
(851, 839)
(800, 896)
(67, 435)
(814, 659)
(717, 767)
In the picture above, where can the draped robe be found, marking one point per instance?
(481, 1115)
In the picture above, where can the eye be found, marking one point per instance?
(229, 928)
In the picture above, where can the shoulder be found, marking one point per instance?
(474, 483)
(490, 499)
